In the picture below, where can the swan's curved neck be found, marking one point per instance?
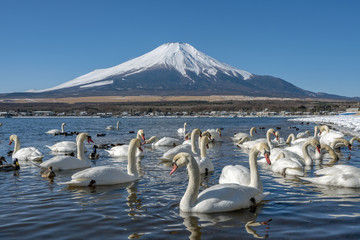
(16, 144)
(153, 139)
(352, 140)
(131, 167)
(80, 149)
(268, 139)
(247, 138)
(290, 139)
(331, 152)
(316, 129)
(62, 128)
(254, 173)
(194, 136)
(307, 158)
(252, 130)
(191, 194)
(203, 146)
(338, 142)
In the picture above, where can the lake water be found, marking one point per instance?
(35, 208)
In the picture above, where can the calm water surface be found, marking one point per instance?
(35, 208)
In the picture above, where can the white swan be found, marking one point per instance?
(63, 147)
(238, 136)
(109, 175)
(123, 150)
(328, 136)
(244, 143)
(287, 166)
(189, 148)
(68, 162)
(164, 141)
(204, 162)
(23, 154)
(242, 175)
(57, 131)
(215, 134)
(110, 127)
(338, 175)
(305, 134)
(218, 198)
(182, 130)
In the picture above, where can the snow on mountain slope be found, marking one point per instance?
(179, 56)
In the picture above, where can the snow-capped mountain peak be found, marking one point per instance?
(181, 57)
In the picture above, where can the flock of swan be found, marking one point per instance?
(239, 187)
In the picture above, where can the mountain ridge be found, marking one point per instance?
(174, 69)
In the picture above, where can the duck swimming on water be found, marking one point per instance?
(10, 167)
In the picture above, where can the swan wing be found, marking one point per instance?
(225, 197)
(65, 163)
(29, 153)
(103, 175)
(168, 141)
(235, 174)
(169, 155)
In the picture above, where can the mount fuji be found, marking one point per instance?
(174, 69)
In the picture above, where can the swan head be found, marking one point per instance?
(218, 130)
(196, 131)
(271, 131)
(141, 134)
(341, 141)
(253, 129)
(264, 149)
(83, 137)
(180, 160)
(324, 128)
(315, 143)
(206, 134)
(13, 138)
(187, 136)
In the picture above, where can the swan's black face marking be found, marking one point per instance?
(174, 167)
(89, 140)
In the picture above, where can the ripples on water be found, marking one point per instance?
(36, 208)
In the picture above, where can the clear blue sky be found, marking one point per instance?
(313, 44)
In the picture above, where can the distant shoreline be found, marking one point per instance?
(148, 98)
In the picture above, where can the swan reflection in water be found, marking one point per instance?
(246, 218)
